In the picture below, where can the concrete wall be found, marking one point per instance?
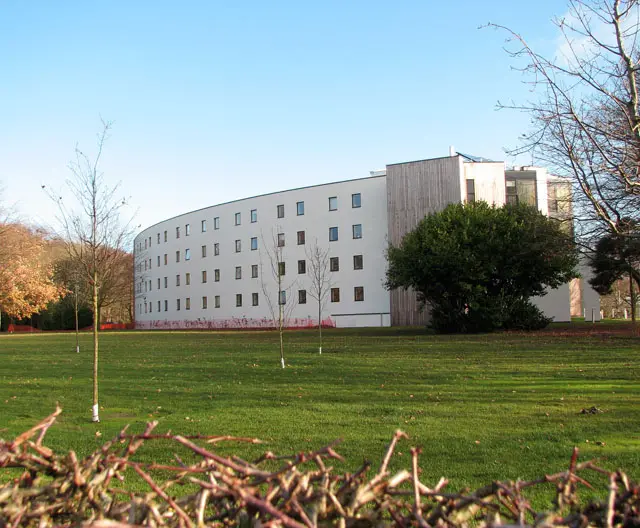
(315, 222)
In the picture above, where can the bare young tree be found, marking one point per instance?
(272, 280)
(320, 275)
(586, 112)
(92, 232)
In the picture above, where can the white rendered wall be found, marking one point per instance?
(315, 222)
(489, 181)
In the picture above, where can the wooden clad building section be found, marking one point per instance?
(415, 189)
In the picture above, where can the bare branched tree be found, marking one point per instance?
(277, 291)
(320, 276)
(586, 112)
(92, 232)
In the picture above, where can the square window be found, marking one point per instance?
(281, 268)
(178, 280)
(203, 226)
(356, 200)
(333, 203)
(333, 234)
(357, 262)
(187, 254)
(166, 305)
(302, 296)
(357, 230)
(216, 249)
(302, 267)
(254, 299)
(216, 301)
(358, 293)
(204, 302)
(282, 298)
(178, 256)
(301, 238)
(335, 294)
(254, 216)
(187, 230)
(216, 275)
(254, 271)
(187, 278)
(280, 239)
(187, 303)
(238, 272)
(204, 251)
(238, 299)
(177, 232)
(165, 259)
(238, 246)
(165, 238)
(334, 264)
(254, 243)
(237, 219)
(300, 208)
(166, 279)
(281, 211)
(178, 305)
(216, 222)
(204, 276)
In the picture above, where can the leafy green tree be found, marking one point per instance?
(617, 256)
(476, 266)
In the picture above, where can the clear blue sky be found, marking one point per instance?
(214, 101)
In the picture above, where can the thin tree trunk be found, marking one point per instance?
(96, 323)
(320, 324)
(632, 298)
(76, 314)
(280, 324)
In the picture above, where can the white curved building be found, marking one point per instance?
(216, 267)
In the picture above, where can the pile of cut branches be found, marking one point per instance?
(293, 491)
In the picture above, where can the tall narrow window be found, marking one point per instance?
(178, 256)
(254, 271)
(159, 305)
(281, 268)
(254, 299)
(333, 203)
(254, 216)
(203, 226)
(204, 251)
(204, 276)
(187, 230)
(356, 200)
(166, 281)
(216, 301)
(280, 239)
(238, 219)
(300, 208)
(187, 278)
(357, 230)
(178, 232)
(166, 305)
(335, 294)
(178, 279)
(357, 262)
(187, 303)
(216, 275)
(302, 296)
(301, 238)
(178, 305)
(281, 211)
(238, 299)
(216, 249)
(302, 267)
(158, 286)
(165, 259)
(282, 298)
(238, 246)
(254, 243)
(216, 222)
(158, 243)
(238, 272)
(471, 191)
(187, 254)
(333, 234)
(158, 260)
(204, 302)
(358, 293)
(334, 264)
(165, 236)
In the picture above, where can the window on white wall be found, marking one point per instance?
(187, 303)
(254, 271)
(358, 293)
(187, 254)
(357, 230)
(333, 234)
(216, 222)
(335, 294)
(254, 299)
(204, 276)
(238, 219)
(187, 230)
(254, 216)
(178, 255)
(302, 296)
(187, 278)
(301, 238)
(204, 251)
(216, 249)
(203, 226)
(178, 279)
(204, 302)
(254, 243)
(238, 246)
(238, 272)
(280, 211)
(333, 203)
(216, 275)
(357, 262)
(238, 299)
(178, 232)
(216, 301)
(300, 208)
(334, 264)
(356, 200)
(280, 239)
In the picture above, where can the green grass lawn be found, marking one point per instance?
(482, 407)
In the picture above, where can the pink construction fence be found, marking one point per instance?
(235, 323)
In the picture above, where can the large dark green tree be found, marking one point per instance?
(476, 266)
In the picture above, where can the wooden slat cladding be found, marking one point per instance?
(415, 189)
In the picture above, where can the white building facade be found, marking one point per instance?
(215, 267)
